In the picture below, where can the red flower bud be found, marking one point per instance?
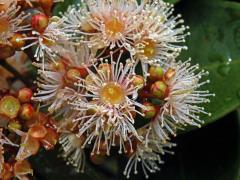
(27, 111)
(25, 95)
(40, 22)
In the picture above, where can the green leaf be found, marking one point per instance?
(210, 153)
(63, 6)
(215, 44)
(172, 1)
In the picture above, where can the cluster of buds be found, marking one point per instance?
(156, 88)
(23, 130)
(102, 66)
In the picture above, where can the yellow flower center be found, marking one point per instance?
(112, 93)
(149, 49)
(114, 26)
(4, 25)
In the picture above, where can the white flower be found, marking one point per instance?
(53, 89)
(48, 43)
(111, 96)
(161, 34)
(11, 21)
(148, 153)
(72, 151)
(182, 105)
(106, 23)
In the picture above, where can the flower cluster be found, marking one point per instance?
(103, 67)
(23, 131)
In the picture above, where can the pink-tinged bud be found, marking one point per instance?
(158, 89)
(25, 95)
(149, 111)
(39, 22)
(27, 111)
(37, 131)
(138, 81)
(155, 73)
(9, 106)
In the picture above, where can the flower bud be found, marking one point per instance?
(155, 73)
(25, 95)
(149, 111)
(37, 131)
(138, 81)
(158, 89)
(9, 106)
(17, 41)
(169, 74)
(39, 22)
(27, 111)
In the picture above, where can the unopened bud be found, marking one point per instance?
(155, 73)
(25, 95)
(39, 22)
(149, 111)
(27, 111)
(9, 106)
(158, 89)
(138, 81)
(37, 131)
